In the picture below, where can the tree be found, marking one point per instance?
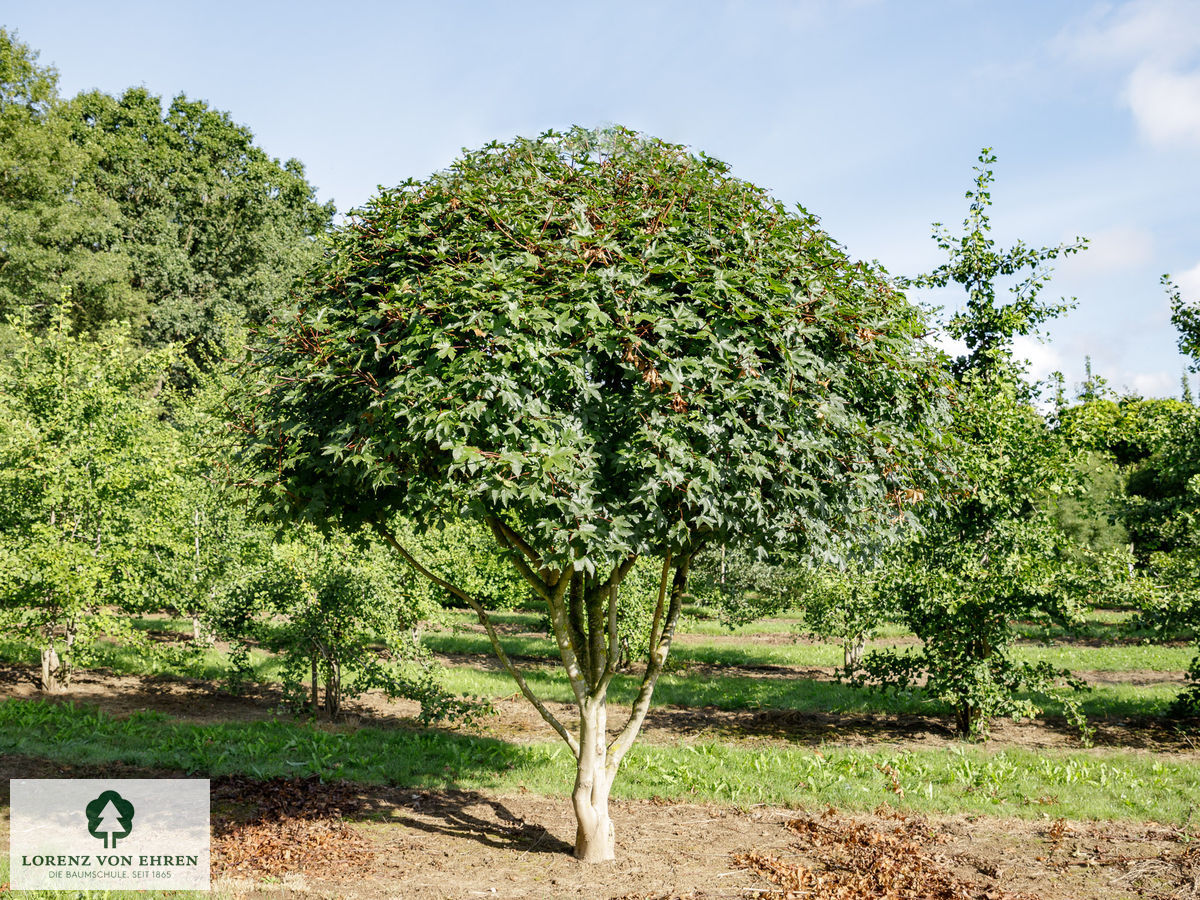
(606, 350)
(994, 553)
(1185, 316)
(984, 324)
(997, 556)
(84, 452)
(172, 219)
(57, 233)
(1162, 509)
(337, 614)
(212, 225)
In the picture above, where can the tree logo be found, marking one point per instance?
(110, 817)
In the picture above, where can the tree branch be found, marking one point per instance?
(502, 535)
(513, 537)
(493, 637)
(577, 620)
(562, 635)
(654, 663)
(612, 585)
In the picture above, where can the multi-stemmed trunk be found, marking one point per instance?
(584, 619)
(56, 668)
(852, 650)
(595, 840)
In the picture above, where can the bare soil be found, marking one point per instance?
(355, 841)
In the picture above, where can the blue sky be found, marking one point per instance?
(870, 113)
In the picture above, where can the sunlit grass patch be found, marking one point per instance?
(1077, 785)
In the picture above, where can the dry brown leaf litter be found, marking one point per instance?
(295, 826)
(862, 862)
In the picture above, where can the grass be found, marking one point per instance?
(731, 692)
(1111, 658)
(183, 659)
(1011, 782)
(1116, 657)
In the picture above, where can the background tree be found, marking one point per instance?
(57, 232)
(212, 225)
(995, 554)
(172, 219)
(84, 452)
(605, 349)
(1162, 510)
(340, 616)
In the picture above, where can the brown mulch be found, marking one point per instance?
(896, 861)
(296, 825)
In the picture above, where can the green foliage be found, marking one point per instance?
(57, 233)
(1161, 508)
(742, 585)
(213, 227)
(1089, 514)
(612, 341)
(168, 219)
(339, 612)
(1128, 430)
(995, 555)
(608, 351)
(850, 605)
(85, 460)
(986, 326)
(1185, 316)
(469, 550)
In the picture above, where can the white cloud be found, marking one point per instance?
(1165, 105)
(1157, 41)
(1043, 359)
(1153, 384)
(1189, 283)
(952, 347)
(1110, 250)
(1135, 30)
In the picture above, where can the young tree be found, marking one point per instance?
(1162, 509)
(338, 615)
(84, 454)
(986, 325)
(605, 349)
(995, 554)
(995, 557)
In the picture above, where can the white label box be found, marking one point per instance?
(109, 833)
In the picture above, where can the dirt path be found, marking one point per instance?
(356, 841)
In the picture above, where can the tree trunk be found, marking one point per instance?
(316, 701)
(964, 719)
(852, 650)
(594, 839)
(52, 671)
(333, 689)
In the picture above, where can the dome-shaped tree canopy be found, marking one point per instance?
(610, 340)
(606, 349)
